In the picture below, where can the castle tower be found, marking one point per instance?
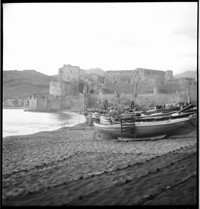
(168, 75)
(68, 73)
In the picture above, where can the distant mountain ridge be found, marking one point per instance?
(25, 83)
(187, 74)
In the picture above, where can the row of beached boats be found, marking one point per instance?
(133, 126)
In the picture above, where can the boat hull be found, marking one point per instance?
(140, 129)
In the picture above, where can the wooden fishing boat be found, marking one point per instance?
(111, 119)
(139, 129)
(160, 111)
(153, 112)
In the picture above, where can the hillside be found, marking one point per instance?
(25, 83)
(97, 71)
(187, 74)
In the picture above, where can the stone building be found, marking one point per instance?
(56, 88)
(10, 103)
(189, 88)
(68, 73)
(173, 85)
(92, 81)
(44, 103)
(73, 80)
(75, 89)
(67, 92)
(117, 76)
(95, 78)
(180, 85)
(70, 80)
(146, 80)
(168, 75)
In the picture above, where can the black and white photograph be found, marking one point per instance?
(100, 104)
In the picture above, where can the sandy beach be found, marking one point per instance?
(70, 167)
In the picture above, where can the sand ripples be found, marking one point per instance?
(46, 161)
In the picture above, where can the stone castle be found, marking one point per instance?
(146, 80)
(72, 79)
(76, 90)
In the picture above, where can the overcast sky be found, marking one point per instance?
(110, 36)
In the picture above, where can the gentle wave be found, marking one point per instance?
(20, 122)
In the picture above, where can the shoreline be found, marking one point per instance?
(76, 126)
(62, 111)
(13, 108)
(50, 111)
(69, 167)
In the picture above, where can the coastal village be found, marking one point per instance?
(100, 104)
(76, 90)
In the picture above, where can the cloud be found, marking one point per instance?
(110, 36)
(187, 31)
(190, 54)
(130, 43)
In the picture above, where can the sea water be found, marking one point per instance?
(20, 122)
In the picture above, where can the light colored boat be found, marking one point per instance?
(111, 119)
(141, 129)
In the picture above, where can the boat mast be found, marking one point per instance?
(135, 89)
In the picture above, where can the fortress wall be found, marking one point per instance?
(118, 87)
(148, 79)
(55, 88)
(82, 75)
(182, 86)
(111, 99)
(54, 104)
(168, 75)
(76, 102)
(193, 93)
(143, 87)
(141, 99)
(129, 75)
(32, 105)
(70, 88)
(63, 88)
(92, 101)
(118, 76)
(166, 98)
(42, 104)
(147, 86)
(144, 74)
(146, 99)
(172, 86)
